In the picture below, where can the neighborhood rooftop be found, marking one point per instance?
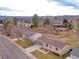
(75, 52)
(53, 42)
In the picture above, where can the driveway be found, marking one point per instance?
(33, 48)
(30, 49)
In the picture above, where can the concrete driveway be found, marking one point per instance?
(33, 48)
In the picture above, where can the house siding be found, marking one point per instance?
(65, 49)
(74, 57)
(59, 51)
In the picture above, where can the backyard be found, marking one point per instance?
(25, 43)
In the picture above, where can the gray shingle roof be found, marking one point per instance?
(54, 42)
(75, 52)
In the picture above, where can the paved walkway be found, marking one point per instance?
(15, 39)
(33, 48)
(30, 49)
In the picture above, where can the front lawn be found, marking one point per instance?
(50, 55)
(72, 40)
(25, 43)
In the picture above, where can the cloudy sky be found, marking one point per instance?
(40, 7)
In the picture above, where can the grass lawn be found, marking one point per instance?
(50, 55)
(25, 43)
(72, 40)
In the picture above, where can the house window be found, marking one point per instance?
(46, 45)
(50, 47)
(56, 48)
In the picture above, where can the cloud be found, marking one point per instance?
(74, 4)
(9, 9)
(41, 7)
(5, 9)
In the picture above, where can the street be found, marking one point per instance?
(10, 50)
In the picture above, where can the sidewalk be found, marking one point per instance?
(33, 48)
(30, 49)
(15, 39)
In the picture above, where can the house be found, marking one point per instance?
(27, 24)
(60, 27)
(54, 45)
(74, 53)
(35, 37)
(26, 33)
(29, 34)
(75, 24)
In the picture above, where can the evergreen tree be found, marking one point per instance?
(15, 20)
(47, 21)
(35, 20)
(65, 22)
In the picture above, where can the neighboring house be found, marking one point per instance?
(33, 36)
(13, 32)
(28, 24)
(24, 24)
(60, 27)
(1, 28)
(36, 36)
(75, 24)
(58, 47)
(29, 34)
(74, 54)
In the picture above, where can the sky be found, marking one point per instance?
(40, 7)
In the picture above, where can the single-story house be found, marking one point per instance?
(74, 53)
(54, 45)
(28, 24)
(24, 33)
(23, 24)
(29, 34)
(36, 36)
(60, 27)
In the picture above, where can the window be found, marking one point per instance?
(46, 45)
(50, 47)
(56, 48)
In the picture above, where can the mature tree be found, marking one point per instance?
(78, 24)
(1, 21)
(47, 21)
(15, 20)
(35, 20)
(65, 22)
(21, 19)
(19, 34)
(7, 26)
(70, 26)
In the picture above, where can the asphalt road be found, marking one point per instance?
(10, 50)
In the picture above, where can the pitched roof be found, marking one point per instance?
(36, 36)
(54, 42)
(75, 52)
